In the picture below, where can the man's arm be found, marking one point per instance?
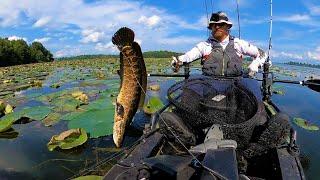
(189, 56)
(258, 55)
(194, 53)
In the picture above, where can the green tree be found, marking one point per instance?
(39, 53)
(21, 51)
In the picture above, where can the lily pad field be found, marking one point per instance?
(56, 118)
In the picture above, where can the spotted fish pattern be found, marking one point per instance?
(133, 82)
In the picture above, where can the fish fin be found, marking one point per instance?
(143, 80)
(123, 37)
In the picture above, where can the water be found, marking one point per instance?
(27, 156)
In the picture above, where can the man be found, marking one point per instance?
(221, 53)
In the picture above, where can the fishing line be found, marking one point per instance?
(270, 32)
(205, 3)
(238, 17)
(106, 160)
(189, 152)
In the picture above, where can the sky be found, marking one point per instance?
(77, 27)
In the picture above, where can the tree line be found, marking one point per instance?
(148, 54)
(303, 64)
(14, 52)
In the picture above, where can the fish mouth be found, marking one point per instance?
(118, 132)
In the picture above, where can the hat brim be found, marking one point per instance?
(218, 22)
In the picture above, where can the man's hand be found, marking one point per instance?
(175, 64)
(253, 68)
(251, 74)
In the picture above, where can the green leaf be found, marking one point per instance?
(97, 122)
(153, 105)
(51, 119)
(90, 177)
(65, 104)
(68, 139)
(71, 116)
(6, 124)
(101, 103)
(36, 113)
(305, 124)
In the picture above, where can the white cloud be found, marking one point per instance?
(151, 21)
(315, 10)
(286, 55)
(294, 18)
(42, 40)
(42, 22)
(12, 38)
(180, 40)
(106, 47)
(314, 55)
(90, 35)
(68, 51)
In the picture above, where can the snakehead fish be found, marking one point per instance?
(133, 82)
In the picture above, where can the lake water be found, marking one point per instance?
(27, 157)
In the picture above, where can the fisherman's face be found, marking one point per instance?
(220, 30)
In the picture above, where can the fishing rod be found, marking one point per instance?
(313, 84)
(267, 82)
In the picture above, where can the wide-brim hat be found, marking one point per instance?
(219, 17)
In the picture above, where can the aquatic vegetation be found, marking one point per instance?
(155, 87)
(33, 113)
(6, 124)
(97, 122)
(305, 124)
(153, 105)
(51, 119)
(280, 92)
(68, 139)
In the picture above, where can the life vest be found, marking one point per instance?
(222, 62)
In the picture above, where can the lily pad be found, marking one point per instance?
(6, 124)
(8, 109)
(9, 134)
(280, 92)
(51, 119)
(90, 177)
(36, 113)
(65, 104)
(68, 139)
(155, 87)
(97, 122)
(153, 105)
(305, 124)
(101, 103)
(55, 85)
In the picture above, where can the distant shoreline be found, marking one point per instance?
(302, 64)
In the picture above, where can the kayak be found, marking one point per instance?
(214, 128)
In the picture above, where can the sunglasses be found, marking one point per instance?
(219, 25)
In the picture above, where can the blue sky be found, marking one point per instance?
(75, 27)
